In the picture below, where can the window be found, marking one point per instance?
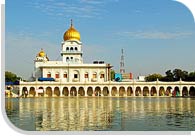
(48, 75)
(71, 48)
(94, 75)
(75, 75)
(86, 75)
(57, 75)
(102, 76)
(67, 59)
(75, 48)
(65, 75)
(67, 48)
(71, 58)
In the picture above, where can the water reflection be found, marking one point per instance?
(105, 114)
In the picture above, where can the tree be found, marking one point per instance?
(153, 77)
(169, 76)
(191, 76)
(11, 77)
(112, 74)
(179, 74)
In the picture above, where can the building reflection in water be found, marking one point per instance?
(83, 114)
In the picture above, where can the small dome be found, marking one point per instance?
(71, 34)
(41, 53)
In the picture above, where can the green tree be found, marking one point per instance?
(153, 77)
(179, 74)
(169, 76)
(191, 76)
(11, 77)
(112, 74)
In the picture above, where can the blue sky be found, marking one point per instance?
(156, 35)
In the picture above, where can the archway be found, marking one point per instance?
(192, 91)
(129, 91)
(176, 92)
(161, 91)
(24, 92)
(145, 91)
(41, 92)
(89, 91)
(32, 92)
(185, 91)
(65, 91)
(49, 91)
(73, 91)
(114, 91)
(56, 91)
(168, 91)
(138, 91)
(153, 91)
(97, 91)
(105, 91)
(81, 91)
(121, 91)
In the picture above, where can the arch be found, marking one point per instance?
(76, 75)
(24, 91)
(114, 91)
(67, 48)
(56, 91)
(145, 91)
(71, 48)
(73, 91)
(81, 91)
(48, 74)
(102, 74)
(138, 91)
(97, 91)
(168, 91)
(65, 91)
(129, 91)
(94, 75)
(67, 59)
(153, 91)
(176, 91)
(57, 75)
(185, 91)
(32, 92)
(105, 91)
(192, 91)
(121, 91)
(49, 91)
(75, 48)
(161, 91)
(89, 91)
(41, 93)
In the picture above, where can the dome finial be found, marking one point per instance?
(71, 33)
(71, 23)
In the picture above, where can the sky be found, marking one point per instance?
(156, 35)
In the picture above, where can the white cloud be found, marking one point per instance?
(155, 35)
(77, 8)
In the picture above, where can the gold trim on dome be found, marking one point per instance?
(71, 33)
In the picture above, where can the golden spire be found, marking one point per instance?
(71, 23)
(71, 33)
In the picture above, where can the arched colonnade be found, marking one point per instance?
(115, 90)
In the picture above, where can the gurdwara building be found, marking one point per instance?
(72, 77)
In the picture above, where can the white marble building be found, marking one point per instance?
(72, 77)
(71, 68)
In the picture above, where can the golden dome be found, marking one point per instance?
(41, 53)
(71, 34)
